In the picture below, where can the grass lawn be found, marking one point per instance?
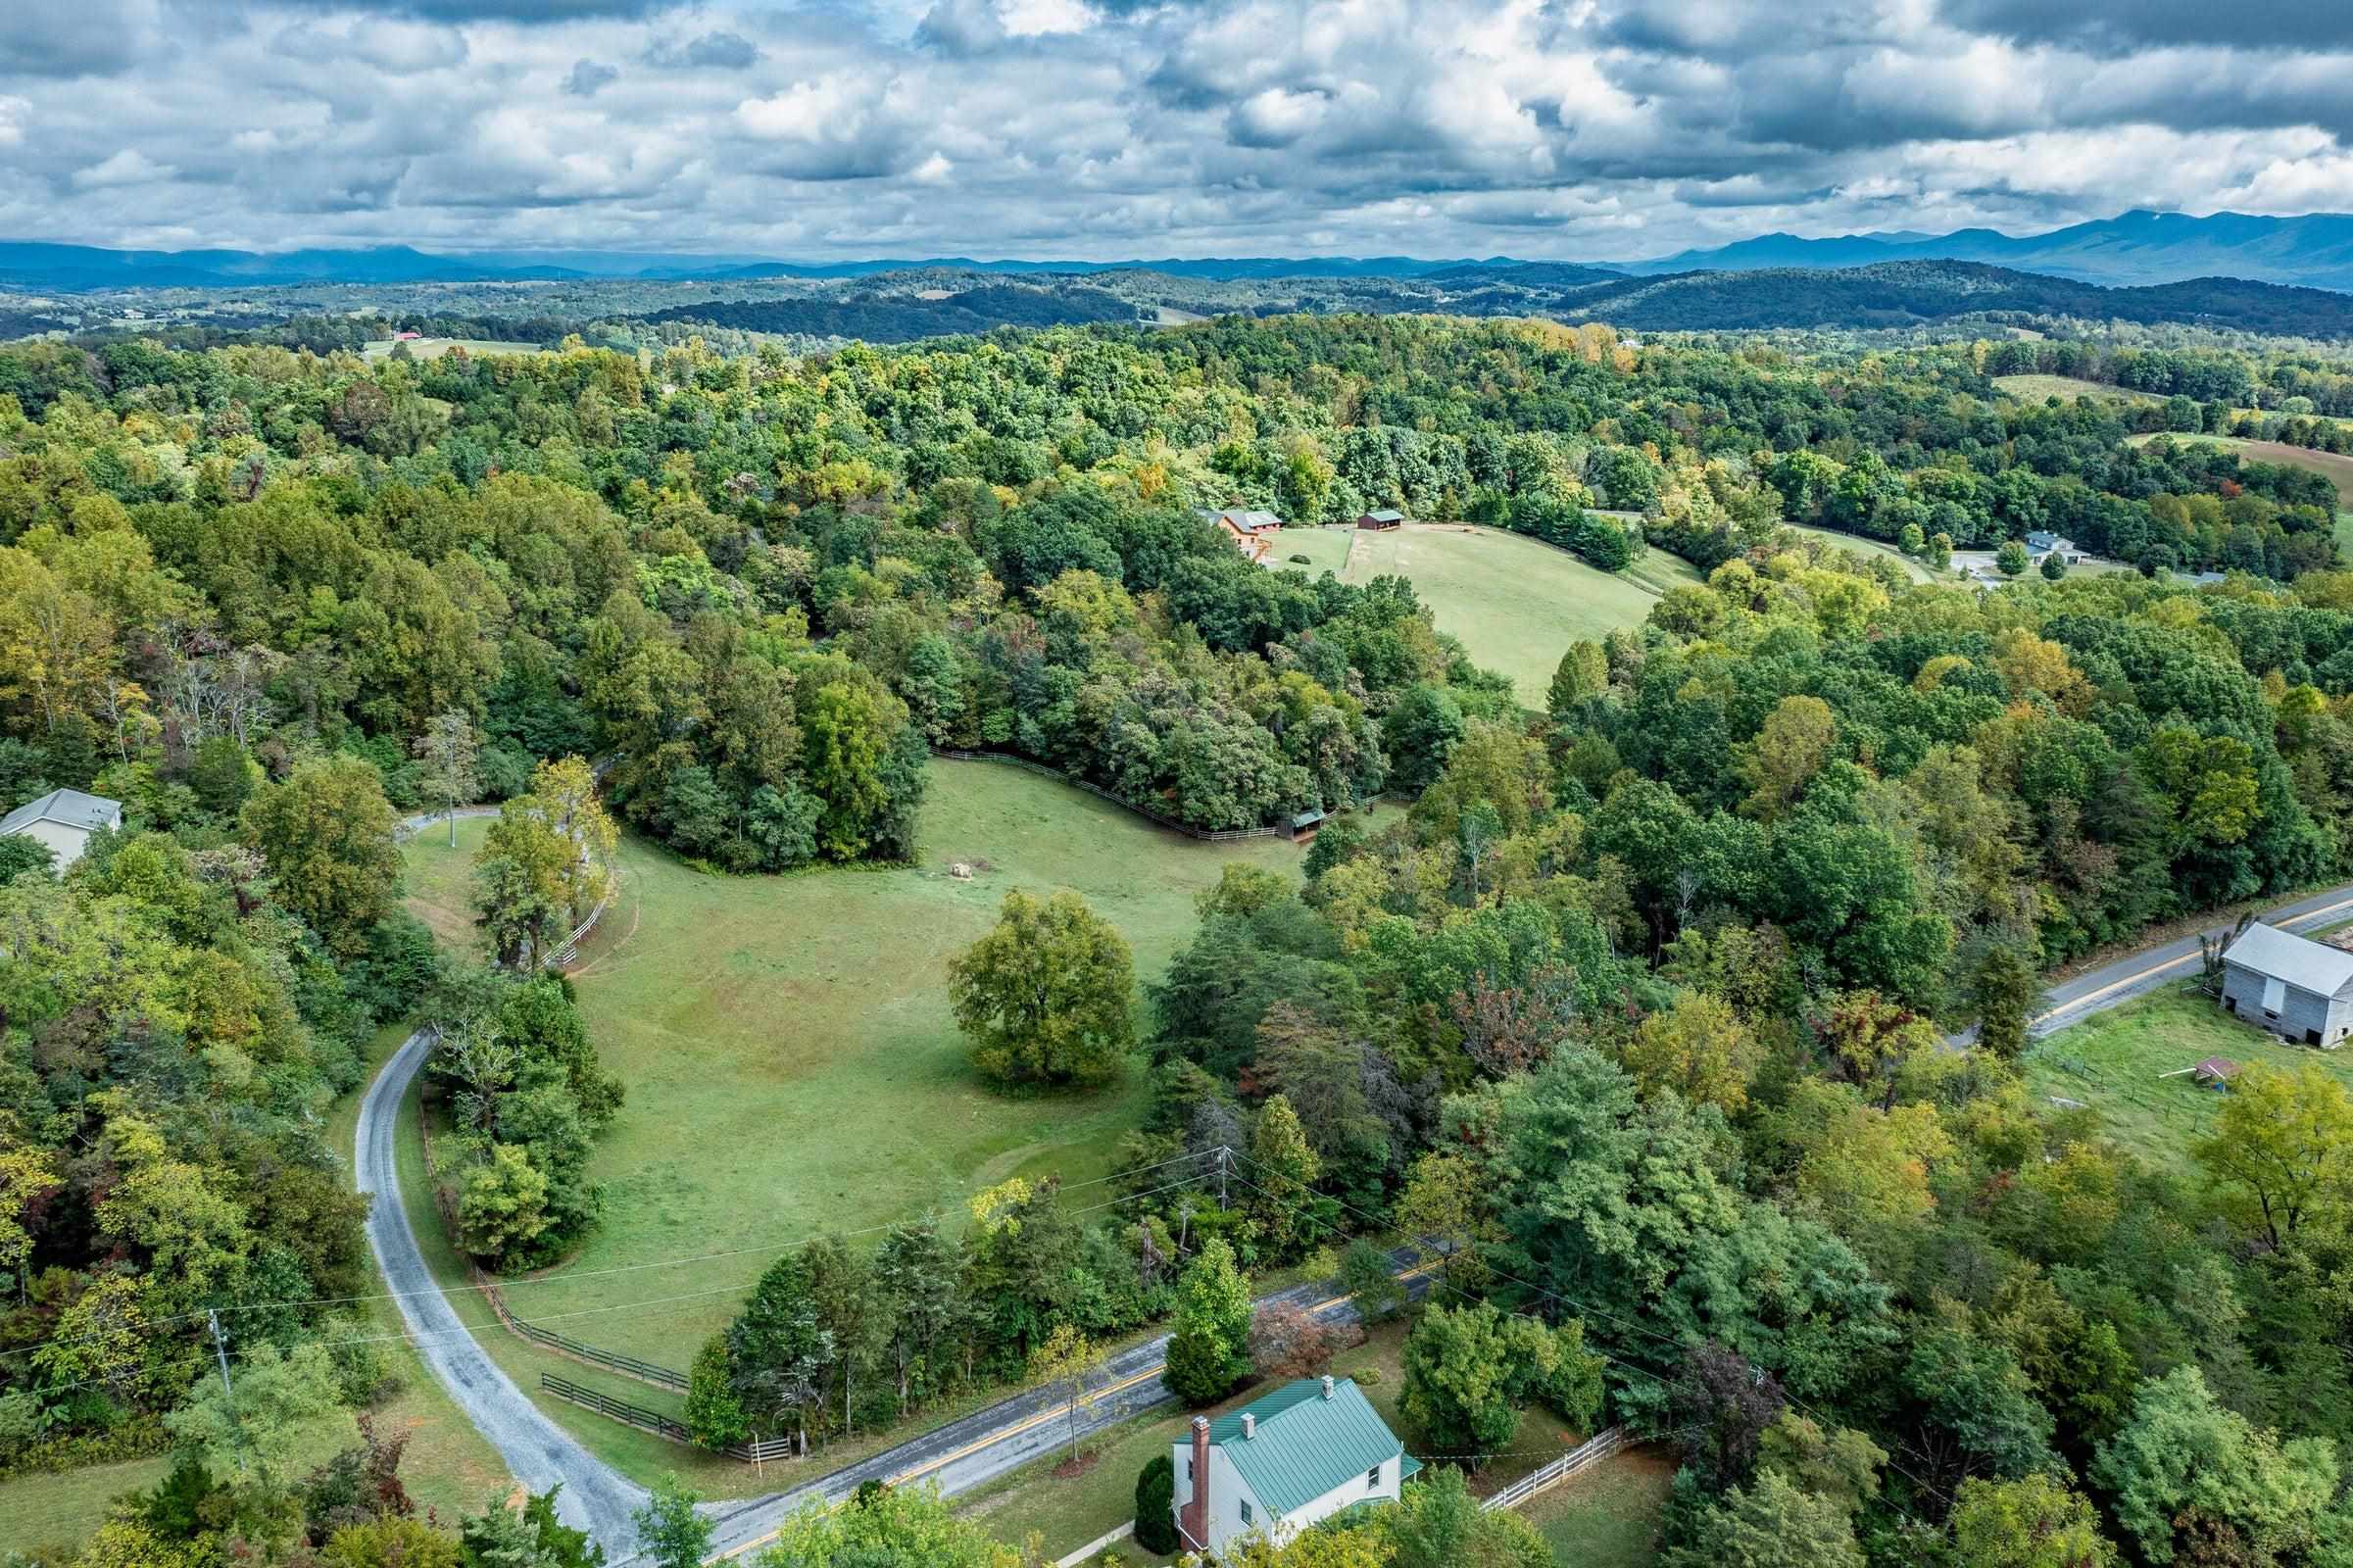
(1608, 1516)
(1515, 603)
(1070, 1512)
(2066, 388)
(2335, 466)
(432, 347)
(2111, 1063)
(792, 1067)
(1326, 549)
(1865, 547)
(61, 1510)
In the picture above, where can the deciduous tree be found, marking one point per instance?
(1048, 995)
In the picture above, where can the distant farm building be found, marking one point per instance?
(1250, 531)
(2296, 988)
(1284, 1462)
(2042, 542)
(1383, 519)
(63, 820)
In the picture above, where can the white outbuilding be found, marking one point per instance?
(63, 820)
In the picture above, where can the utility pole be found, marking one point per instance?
(1222, 1153)
(228, 1389)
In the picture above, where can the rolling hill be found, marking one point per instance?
(2314, 250)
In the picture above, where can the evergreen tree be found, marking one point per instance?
(1209, 1346)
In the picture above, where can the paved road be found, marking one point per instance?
(2097, 989)
(538, 1452)
(958, 1456)
(980, 1447)
(2078, 998)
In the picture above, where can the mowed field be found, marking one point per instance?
(1515, 603)
(791, 1063)
(2036, 388)
(1864, 547)
(1326, 549)
(432, 347)
(2115, 1064)
(2335, 466)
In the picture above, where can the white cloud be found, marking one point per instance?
(1582, 128)
(129, 166)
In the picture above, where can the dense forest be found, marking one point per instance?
(901, 318)
(1641, 1008)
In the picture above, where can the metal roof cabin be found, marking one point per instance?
(1282, 1462)
(2297, 989)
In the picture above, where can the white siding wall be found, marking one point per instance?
(1347, 1495)
(1227, 1491)
(64, 840)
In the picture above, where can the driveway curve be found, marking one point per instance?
(538, 1452)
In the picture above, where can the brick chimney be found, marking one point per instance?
(1327, 1385)
(1249, 1426)
(1193, 1519)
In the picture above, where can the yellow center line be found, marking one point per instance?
(1003, 1434)
(2175, 964)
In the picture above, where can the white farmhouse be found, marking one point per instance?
(63, 820)
(1301, 1455)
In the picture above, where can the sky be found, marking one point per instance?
(1101, 129)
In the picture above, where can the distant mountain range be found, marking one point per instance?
(79, 268)
(2315, 251)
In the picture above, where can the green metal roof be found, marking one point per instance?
(1305, 1444)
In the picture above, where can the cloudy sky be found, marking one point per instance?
(1111, 128)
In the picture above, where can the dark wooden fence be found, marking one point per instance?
(1205, 835)
(767, 1450)
(628, 1366)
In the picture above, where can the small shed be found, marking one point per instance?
(2297, 989)
(1385, 517)
(1304, 825)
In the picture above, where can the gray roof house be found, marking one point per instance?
(2298, 989)
(1280, 1463)
(63, 820)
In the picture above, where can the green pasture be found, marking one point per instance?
(791, 1065)
(1864, 547)
(2336, 466)
(2117, 1063)
(1514, 602)
(432, 347)
(1326, 549)
(2066, 388)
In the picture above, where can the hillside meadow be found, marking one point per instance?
(790, 1064)
(1515, 603)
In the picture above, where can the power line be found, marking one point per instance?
(506, 1286)
(465, 1331)
(1567, 1301)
